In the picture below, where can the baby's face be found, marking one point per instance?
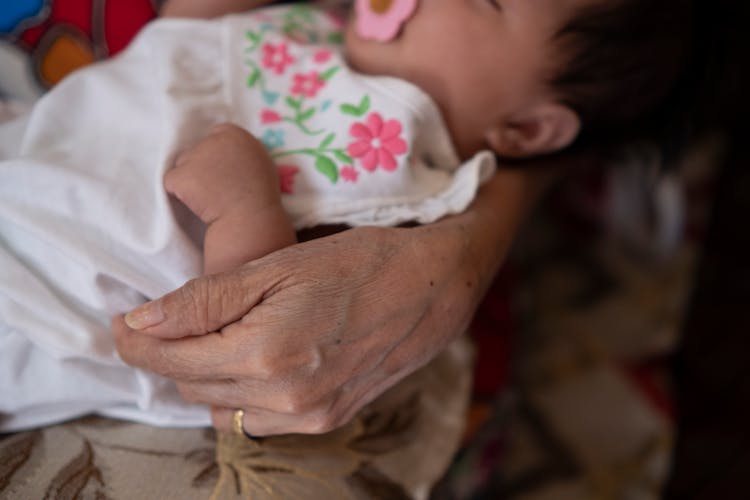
(482, 61)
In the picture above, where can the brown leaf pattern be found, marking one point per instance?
(395, 448)
(75, 475)
(14, 452)
(209, 475)
(285, 466)
(337, 464)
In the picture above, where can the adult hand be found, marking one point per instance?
(304, 337)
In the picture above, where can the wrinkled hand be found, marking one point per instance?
(304, 337)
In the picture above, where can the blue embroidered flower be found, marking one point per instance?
(273, 138)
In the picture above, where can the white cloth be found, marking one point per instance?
(87, 231)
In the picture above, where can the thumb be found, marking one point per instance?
(200, 306)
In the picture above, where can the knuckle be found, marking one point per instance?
(265, 359)
(319, 423)
(297, 402)
(265, 369)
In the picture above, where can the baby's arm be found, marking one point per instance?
(229, 181)
(208, 8)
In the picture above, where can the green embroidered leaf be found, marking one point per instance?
(358, 111)
(253, 37)
(307, 114)
(253, 78)
(348, 109)
(364, 105)
(328, 74)
(325, 166)
(336, 38)
(343, 157)
(327, 141)
(292, 103)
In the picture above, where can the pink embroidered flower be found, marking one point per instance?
(377, 143)
(269, 116)
(308, 84)
(381, 20)
(322, 56)
(287, 173)
(276, 57)
(349, 173)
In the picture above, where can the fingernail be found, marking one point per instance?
(145, 316)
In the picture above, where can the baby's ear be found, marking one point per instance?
(538, 130)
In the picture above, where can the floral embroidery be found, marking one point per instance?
(269, 116)
(287, 173)
(325, 157)
(276, 57)
(349, 173)
(377, 143)
(357, 110)
(273, 138)
(322, 56)
(256, 37)
(308, 84)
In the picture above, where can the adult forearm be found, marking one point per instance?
(493, 220)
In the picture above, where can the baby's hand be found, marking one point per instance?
(228, 170)
(230, 182)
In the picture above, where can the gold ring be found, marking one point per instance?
(237, 425)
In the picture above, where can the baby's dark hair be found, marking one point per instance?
(626, 63)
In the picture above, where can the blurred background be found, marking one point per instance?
(624, 314)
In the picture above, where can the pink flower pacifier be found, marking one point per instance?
(381, 20)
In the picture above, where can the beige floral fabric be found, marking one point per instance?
(397, 447)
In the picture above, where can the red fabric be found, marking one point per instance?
(493, 330)
(123, 19)
(101, 27)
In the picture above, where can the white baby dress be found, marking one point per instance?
(87, 231)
